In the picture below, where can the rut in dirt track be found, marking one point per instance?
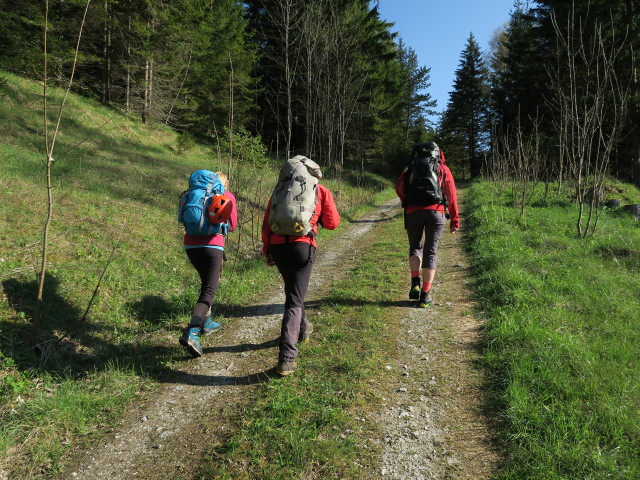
(198, 402)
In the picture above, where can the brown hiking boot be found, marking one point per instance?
(304, 338)
(286, 368)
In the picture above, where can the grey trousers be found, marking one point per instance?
(430, 224)
(294, 261)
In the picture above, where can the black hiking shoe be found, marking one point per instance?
(414, 293)
(425, 299)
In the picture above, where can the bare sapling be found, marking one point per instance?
(518, 161)
(49, 144)
(589, 107)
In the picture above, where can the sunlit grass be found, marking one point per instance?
(561, 337)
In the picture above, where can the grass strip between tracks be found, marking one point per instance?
(302, 426)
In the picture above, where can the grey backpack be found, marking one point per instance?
(294, 198)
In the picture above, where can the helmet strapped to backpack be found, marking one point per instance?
(220, 208)
(194, 204)
(423, 182)
(294, 198)
(426, 150)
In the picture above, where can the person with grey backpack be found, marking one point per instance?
(297, 206)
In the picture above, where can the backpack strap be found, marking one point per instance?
(445, 201)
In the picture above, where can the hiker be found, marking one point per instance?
(289, 242)
(205, 251)
(428, 193)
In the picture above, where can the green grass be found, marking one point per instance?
(116, 184)
(303, 426)
(562, 335)
(59, 409)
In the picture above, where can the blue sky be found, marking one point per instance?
(438, 31)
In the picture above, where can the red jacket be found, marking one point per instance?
(326, 216)
(448, 187)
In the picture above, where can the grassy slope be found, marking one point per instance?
(562, 335)
(116, 183)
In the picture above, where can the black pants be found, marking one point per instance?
(294, 261)
(208, 263)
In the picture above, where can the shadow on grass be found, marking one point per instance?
(327, 302)
(379, 220)
(66, 343)
(69, 345)
(152, 309)
(244, 347)
(351, 219)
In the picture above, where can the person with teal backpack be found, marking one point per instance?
(207, 210)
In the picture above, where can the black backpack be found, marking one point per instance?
(422, 182)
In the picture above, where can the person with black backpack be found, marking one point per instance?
(428, 193)
(207, 210)
(297, 206)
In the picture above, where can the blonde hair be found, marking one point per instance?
(224, 179)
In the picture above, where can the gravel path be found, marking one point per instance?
(432, 416)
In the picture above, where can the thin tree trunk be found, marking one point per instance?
(231, 113)
(106, 55)
(127, 95)
(49, 148)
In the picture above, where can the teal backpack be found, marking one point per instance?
(193, 205)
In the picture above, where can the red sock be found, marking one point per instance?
(415, 273)
(426, 287)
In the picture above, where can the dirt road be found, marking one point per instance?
(431, 419)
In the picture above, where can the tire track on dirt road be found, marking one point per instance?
(433, 415)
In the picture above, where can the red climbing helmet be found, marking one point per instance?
(220, 208)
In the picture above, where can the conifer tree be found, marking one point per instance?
(465, 121)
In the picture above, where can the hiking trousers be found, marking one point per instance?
(427, 223)
(208, 264)
(294, 261)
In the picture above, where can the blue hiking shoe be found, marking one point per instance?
(209, 326)
(189, 340)
(425, 299)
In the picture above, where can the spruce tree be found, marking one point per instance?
(465, 121)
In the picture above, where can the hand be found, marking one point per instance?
(453, 229)
(268, 259)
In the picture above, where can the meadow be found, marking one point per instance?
(562, 329)
(560, 314)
